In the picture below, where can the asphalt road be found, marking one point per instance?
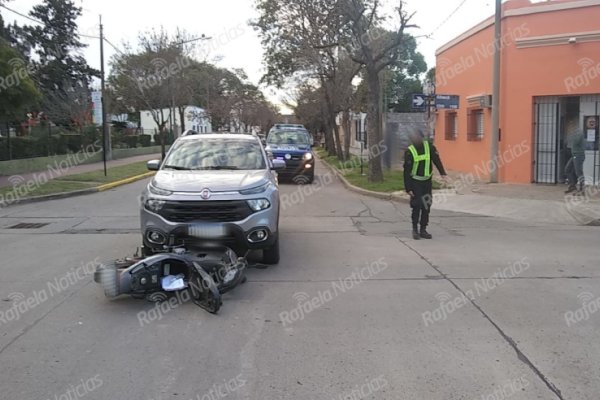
(489, 309)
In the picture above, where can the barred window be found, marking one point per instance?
(475, 125)
(451, 127)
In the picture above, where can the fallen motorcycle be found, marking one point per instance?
(205, 274)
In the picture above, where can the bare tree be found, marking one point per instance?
(302, 42)
(149, 79)
(375, 49)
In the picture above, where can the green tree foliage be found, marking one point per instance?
(58, 64)
(404, 79)
(17, 90)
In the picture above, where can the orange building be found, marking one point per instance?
(550, 74)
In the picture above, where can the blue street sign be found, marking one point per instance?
(419, 102)
(447, 101)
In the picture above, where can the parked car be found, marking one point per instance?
(294, 147)
(213, 190)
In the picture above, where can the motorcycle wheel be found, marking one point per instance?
(107, 276)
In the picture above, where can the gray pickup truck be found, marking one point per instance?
(213, 190)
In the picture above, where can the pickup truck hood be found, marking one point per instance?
(215, 181)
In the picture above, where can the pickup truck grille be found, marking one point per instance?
(292, 167)
(206, 211)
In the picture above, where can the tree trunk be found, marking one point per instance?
(348, 135)
(336, 145)
(374, 135)
(182, 118)
(163, 151)
(338, 142)
(329, 143)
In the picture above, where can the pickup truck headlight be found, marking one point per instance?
(259, 204)
(157, 191)
(154, 205)
(308, 156)
(256, 190)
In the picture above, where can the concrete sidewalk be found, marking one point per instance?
(5, 180)
(535, 203)
(540, 204)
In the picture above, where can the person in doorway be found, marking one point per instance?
(574, 167)
(418, 170)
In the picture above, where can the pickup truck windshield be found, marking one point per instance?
(215, 154)
(288, 137)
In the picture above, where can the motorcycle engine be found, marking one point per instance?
(147, 279)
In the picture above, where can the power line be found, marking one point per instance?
(429, 35)
(462, 3)
(23, 15)
(42, 23)
(88, 36)
(114, 47)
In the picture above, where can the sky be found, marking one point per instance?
(234, 44)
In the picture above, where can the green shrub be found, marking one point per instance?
(24, 147)
(92, 134)
(131, 141)
(117, 139)
(169, 138)
(144, 140)
(41, 131)
(74, 142)
(3, 149)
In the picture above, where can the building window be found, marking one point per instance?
(475, 124)
(451, 128)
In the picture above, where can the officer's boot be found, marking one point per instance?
(424, 234)
(415, 233)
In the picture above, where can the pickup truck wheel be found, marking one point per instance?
(271, 255)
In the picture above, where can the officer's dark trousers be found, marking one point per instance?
(421, 203)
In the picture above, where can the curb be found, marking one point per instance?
(54, 196)
(398, 197)
(108, 186)
(82, 192)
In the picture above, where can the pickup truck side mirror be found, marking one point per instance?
(153, 165)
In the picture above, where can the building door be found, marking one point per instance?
(547, 143)
(590, 113)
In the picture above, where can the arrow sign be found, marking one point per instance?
(418, 101)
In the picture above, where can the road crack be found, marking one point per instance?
(511, 342)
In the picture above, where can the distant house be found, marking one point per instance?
(196, 118)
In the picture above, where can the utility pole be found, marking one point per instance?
(105, 137)
(495, 137)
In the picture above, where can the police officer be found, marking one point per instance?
(418, 170)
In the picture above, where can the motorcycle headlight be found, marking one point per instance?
(154, 205)
(256, 190)
(259, 204)
(158, 191)
(308, 156)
